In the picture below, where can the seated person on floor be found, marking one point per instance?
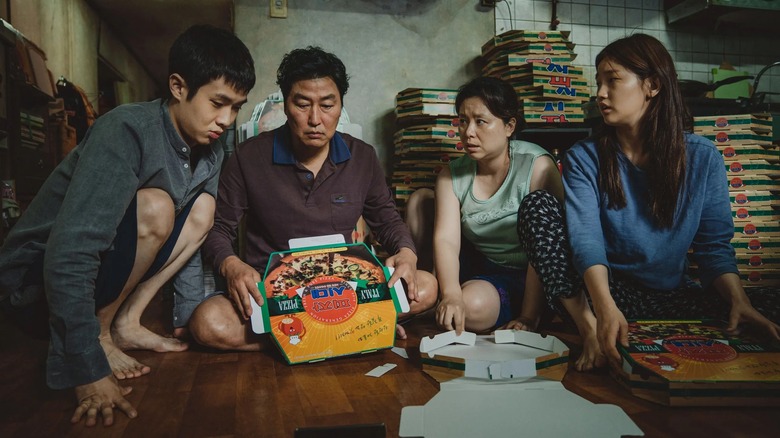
(639, 194)
(482, 268)
(125, 212)
(302, 179)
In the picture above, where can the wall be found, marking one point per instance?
(386, 45)
(73, 37)
(595, 23)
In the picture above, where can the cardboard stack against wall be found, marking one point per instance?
(753, 167)
(427, 140)
(539, 66)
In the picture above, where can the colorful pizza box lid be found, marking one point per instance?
(328, 301)
(696, 363)
(505, 355)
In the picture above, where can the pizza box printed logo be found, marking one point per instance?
(755, 261)
(542, 36)
(721, 137)
(455, 122)
(729, 152)
(721, 122)
(750, 229)
(736, 182)
(292, 327)
(755, 244)
(699, 348)
(754, 276)
(459, 146)
(442, 96)
(736, 167)
(741, 199)
(663, 362)
(548, 47)
(742, 213)
(330, 300)
(451, 133)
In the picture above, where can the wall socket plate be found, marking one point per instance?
(278, 8)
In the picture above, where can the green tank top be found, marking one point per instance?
(491, 224)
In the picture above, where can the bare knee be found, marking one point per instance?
(215, 323)
(201, 216)
(482, 304)
(155, 214)
(427, 292)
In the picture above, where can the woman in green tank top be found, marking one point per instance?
(477, 199)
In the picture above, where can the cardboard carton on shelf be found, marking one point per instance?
(752, 167)
(695, 363)
(724, 138)
(755, 214)
(327, 300)
(506, 355)
(761, 245)
(413, 96)
(754, 262)
(752, 228)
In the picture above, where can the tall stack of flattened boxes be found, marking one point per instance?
(427, 140)
(538, 64)
(753, 167)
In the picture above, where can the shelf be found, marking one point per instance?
(725, 16)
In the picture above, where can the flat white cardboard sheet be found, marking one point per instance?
(533, 408)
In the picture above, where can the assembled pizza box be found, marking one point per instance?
(751, 167)
(750, 152)
(328, 301)
(754, 198)
(723, 138)
(695, 363)
(505, 356)
(761, 245)
(755, 214)
(752, 183)
(760, 123)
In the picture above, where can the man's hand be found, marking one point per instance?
(242, 282)
(102, 397)
(405, 264)
(451, 314)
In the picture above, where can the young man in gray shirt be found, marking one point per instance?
(126, 211)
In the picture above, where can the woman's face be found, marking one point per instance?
(622, 97)
(483, 134)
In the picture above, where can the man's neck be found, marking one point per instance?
(311, 158)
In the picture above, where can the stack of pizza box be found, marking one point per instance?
(753, 167)
(539, 66)
(426, 141)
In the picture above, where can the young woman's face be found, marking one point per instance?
(622, 97)
(483, 134)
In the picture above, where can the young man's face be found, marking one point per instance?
(313, 108)
(202, 119)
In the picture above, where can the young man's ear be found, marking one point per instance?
(178, 87)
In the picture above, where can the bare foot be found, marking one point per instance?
(138, 337)
(122, 365)
(591, 356)
(400, 332)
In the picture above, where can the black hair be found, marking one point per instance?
(662, 128)
(311, 63)
(498, 95)
(204, 53)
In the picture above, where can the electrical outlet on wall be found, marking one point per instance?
(278, 8)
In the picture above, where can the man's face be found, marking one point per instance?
(313, 108)
(202, 119)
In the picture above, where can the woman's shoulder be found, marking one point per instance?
(522, 147)
(699, 146)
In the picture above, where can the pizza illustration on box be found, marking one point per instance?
(327, 301)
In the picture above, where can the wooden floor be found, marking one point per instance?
(201, 393)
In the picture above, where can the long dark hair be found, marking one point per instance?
(662, 128)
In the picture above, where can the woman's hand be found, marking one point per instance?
(744, 312)
(451, 314)
(611, 328)
(519, 323)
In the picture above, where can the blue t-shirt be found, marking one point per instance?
(627, 241)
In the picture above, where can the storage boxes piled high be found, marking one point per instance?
(538, 64)
(753, 168)
(426, 141)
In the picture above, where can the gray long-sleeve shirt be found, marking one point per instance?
(74, 218)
